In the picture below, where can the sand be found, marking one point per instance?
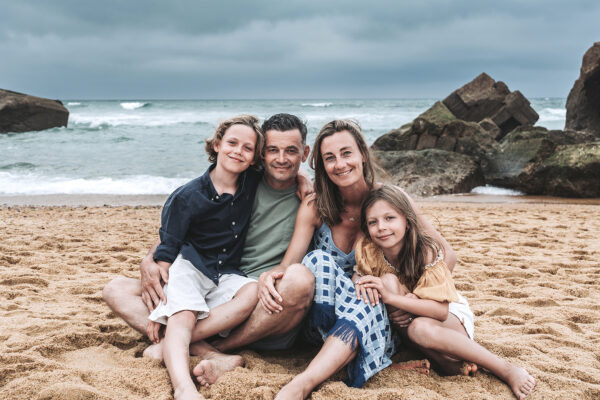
(529, 270)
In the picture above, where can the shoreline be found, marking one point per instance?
(148, 200)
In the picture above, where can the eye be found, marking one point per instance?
(347, 153)
(371, 222)
(389, 217)
(329, 158)
(248, 148)
(292, 151)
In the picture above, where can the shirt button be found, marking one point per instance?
(220, 262)
(232, 203)
(233, 223)
(224, 250)
(216, 197)
(235, 236)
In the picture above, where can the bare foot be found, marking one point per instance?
(187, 393)
(421, 366)
(154, 352)
(520, 382)
(291, 391)
(208, 371)
(468, 368)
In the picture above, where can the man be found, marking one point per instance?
(285, 294)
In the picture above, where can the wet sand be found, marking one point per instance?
(529, 269)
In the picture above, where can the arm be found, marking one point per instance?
(153, 275)
(307, 220)
(305, 185)
(449, 255)
(409, 303)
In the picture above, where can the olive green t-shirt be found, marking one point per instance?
(271, 228)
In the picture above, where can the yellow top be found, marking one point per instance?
(435, 284)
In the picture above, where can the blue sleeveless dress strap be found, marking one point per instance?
(337, 312)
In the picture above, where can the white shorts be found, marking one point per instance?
(189, 289)
(464, 314)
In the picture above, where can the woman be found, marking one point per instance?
(353, 332)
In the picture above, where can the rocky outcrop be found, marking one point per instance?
(430, 172)
(523, 150)
(583, 103)
(438, 128)
(22, 113)
(484, 98)
(571, 171)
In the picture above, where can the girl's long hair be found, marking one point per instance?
(329, 201)
(417, 244)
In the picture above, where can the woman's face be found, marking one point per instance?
(342, 159)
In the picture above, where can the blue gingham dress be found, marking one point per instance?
(336, 310)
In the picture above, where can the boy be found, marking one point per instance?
(203, 226)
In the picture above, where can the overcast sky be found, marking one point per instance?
(172, 49)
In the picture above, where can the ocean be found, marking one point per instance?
(154, 146)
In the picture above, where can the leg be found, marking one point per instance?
(124, 297)
(333, 356)
(176, 354)
(296, 288)
(450, 338)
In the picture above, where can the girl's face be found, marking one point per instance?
(387, 226)
(236, 148)
(342, 159)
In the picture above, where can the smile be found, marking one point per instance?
(344, 173)
(385, 237)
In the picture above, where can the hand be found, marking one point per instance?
(370, 294)
(153, 276)
(400, 318)
(268, 296)
(305, 185)
(153, 331)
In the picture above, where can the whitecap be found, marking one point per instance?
(133, 105)
(553, 114)
(73, 103)
(33, 184)
(494, 190)
(316, 104)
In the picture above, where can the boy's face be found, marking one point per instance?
(236, 148)
(283, 154)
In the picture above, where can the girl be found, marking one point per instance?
(402, 265)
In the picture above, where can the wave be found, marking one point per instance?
(32, 184)
(18, 165)
(553, 114)
(316, 104)
(73, 103)
(134, 105)
(494, 190)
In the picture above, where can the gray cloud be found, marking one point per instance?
(267, 49)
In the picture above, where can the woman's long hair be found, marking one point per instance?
(329, 201)
(417, 244)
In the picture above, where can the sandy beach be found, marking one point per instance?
(529, 269)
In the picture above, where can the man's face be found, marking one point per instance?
(283, 155)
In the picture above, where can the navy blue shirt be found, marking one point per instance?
(208, 229)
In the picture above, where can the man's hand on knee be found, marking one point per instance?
(153, 276)
(268, 296)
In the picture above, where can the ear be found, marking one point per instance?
(216, 145)
(306, 153)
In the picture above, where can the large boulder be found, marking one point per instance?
(522, 151)
(438, 128)
(571, 171)
(583, 103)
(483, 98)
(430, 172)
(22, 113)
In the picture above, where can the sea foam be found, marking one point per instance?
(494, 190)
(134, 105)
(31, 184)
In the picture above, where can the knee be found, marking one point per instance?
(422, 332)
(112, 290)
(297, 286)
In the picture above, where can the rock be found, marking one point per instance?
(522, 151)
(571, 171)
(22, 113)
(430, 172)
(484, 98)
(583, 102)
(438, 128)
